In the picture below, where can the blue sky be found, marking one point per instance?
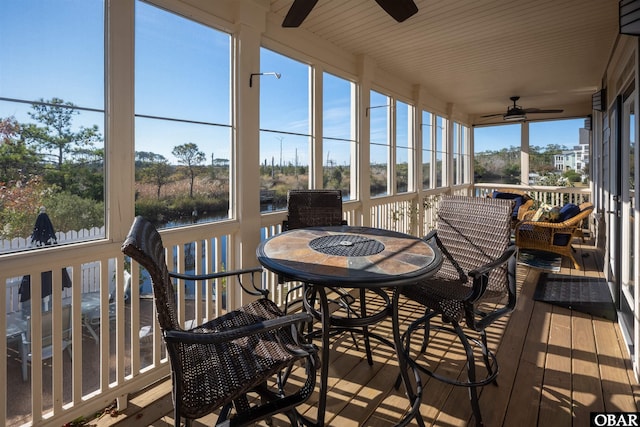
(182, 72)
(36, 64)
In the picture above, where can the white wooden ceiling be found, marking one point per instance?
(475, 54)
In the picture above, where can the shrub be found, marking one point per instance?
(19, 206)
(72, 212)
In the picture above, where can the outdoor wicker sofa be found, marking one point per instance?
(554, 237)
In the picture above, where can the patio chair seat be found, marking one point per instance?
(447, 296)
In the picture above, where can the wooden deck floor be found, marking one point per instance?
(556, 366)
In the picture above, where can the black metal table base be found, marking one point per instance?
(332, 325)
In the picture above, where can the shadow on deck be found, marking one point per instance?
(556, 366)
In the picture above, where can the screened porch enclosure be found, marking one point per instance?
(201, 115)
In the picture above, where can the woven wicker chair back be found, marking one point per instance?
(473, 231)
(314, 208)
(144, 245)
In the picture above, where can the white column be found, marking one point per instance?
(119, 118)
(245, 173)
(524, 154)
(415, 165)
(447, 162)
(366, 71)
(316, 141)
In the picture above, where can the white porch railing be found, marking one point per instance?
(20, 243)
(554, 196)
(128, 354)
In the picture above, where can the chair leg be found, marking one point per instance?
(25, 370)
(575, 263)
(427, 331)
(176, 418)
(471, 374)
(485, 356)
(428, 314)
(23, 359)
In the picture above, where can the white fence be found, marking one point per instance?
(21, 243)
(90, 274)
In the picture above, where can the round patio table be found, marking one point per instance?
(352, 257)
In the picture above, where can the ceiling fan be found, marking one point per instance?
(516, 112)
(400, 10)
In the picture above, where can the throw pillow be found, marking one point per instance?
(542, 214)
(554, 214)
(569, 211)
(539, 213)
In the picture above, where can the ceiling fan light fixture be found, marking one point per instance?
(516, 113)
(514, 117)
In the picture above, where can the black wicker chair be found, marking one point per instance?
(215, 365)
(476, 284)
(316, 208)
(313, 208)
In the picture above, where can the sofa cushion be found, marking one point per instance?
(561, 239)
(569, 211)
(517, 198)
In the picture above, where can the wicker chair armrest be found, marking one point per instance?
(220, 337)
(569, 224)
(480, 275)
(255, 290)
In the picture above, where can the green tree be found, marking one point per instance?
(56, 132)
(479, 170)
(147, 157)
(189, 155)
(333, 178)
(17, 160)
(541, 159)
(511, 173)
(157, 173)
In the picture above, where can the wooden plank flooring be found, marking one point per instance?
(556, 366)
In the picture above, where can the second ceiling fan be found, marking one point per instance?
(516, 112)
(400, 10)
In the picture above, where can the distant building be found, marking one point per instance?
(534, 178)
(575, 159)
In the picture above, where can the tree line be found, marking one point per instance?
(51, 162)
(503, 166)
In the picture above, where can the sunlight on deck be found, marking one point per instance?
(556, 366)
